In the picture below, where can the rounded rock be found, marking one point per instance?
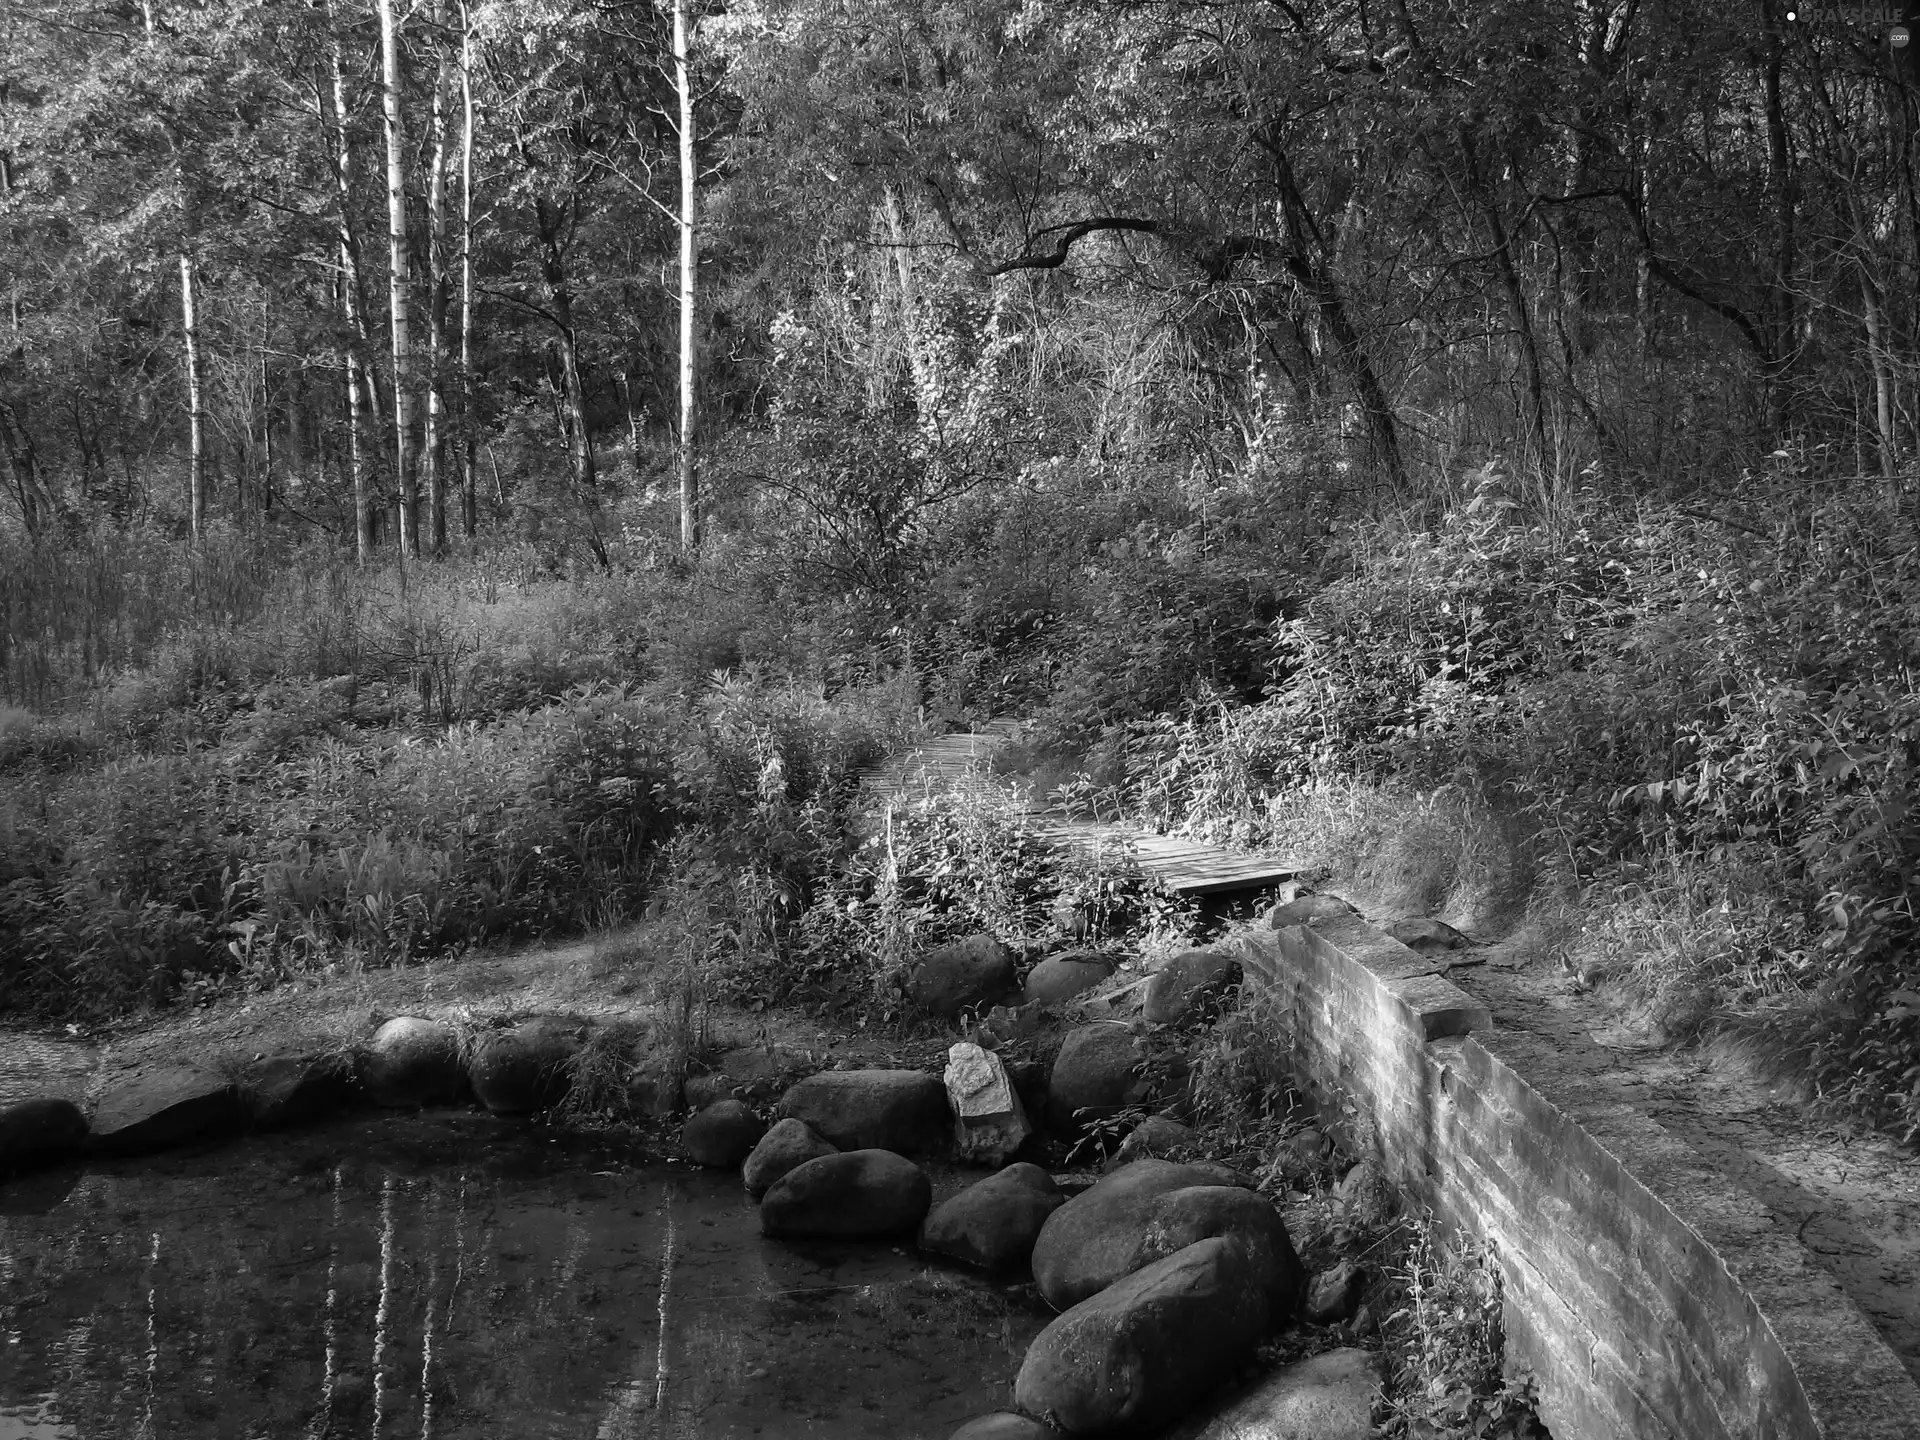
(1183, 980)
(1097, 1071)
(1059, 978)
(39, 1131)
(411, 1062)
(900, 1110)
(993, 1223)
(523, 1069)
(788, 1145)
(1095, 1238)
(722, 1135)
(1139, 1354)
(858, 1193)
(966, 974)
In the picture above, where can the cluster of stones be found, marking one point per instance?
(409, 1062)
(1166, 1276)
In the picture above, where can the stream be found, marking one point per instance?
(452, 1275)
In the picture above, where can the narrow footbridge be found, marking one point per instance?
(965, 762)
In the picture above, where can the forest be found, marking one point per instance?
(478, 468)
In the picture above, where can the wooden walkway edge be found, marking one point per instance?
(965, 762)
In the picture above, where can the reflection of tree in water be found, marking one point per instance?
(334, 1284)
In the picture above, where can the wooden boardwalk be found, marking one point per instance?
(965, 762)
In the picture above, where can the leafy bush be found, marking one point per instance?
(1724, 699)
(301, 841)
(1446, 1346)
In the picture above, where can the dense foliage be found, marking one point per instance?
(1512, 402)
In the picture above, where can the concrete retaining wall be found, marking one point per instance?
(1646, 1294)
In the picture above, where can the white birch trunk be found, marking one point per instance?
(434, 446)
(468, 509)
(689, 259)
(400, 266)
(196, 413)
(355, 318)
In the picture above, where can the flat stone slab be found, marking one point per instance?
(153, 1109)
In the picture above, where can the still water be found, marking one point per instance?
(453, 1276)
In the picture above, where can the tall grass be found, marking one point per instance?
(218, 766)
(107, 600)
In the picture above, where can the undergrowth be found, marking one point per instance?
(1445, 1343)
(1682, 743)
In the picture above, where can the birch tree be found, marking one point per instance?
(400, 279)
(689, 473)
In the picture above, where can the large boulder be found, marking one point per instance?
(1061, 977)
(900, 1110)
(1143, 1351)
(152, 1109)
(989, 1123)
(1096, 1237)
(722, 1135)
(967, 974)
(1096, 1072)
(859, 1193)
(1326, 1397)
(411, 1062)
(1183, 980)
(788, 1145)
(525, 1068)
(992, 1225)
(39, 1132)
(293, 1089)
(1201, 1212)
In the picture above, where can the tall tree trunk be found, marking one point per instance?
(434, 447)
(689, 261)
(266, 427)
(469, 511)
(23, 462)
(1308, 267)
(1521, 316)
(196, 413)
(352, 307)
(400, 268)
(551, 220)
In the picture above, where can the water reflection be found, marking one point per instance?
(456, 1277)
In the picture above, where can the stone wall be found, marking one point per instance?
(1647, 1295)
